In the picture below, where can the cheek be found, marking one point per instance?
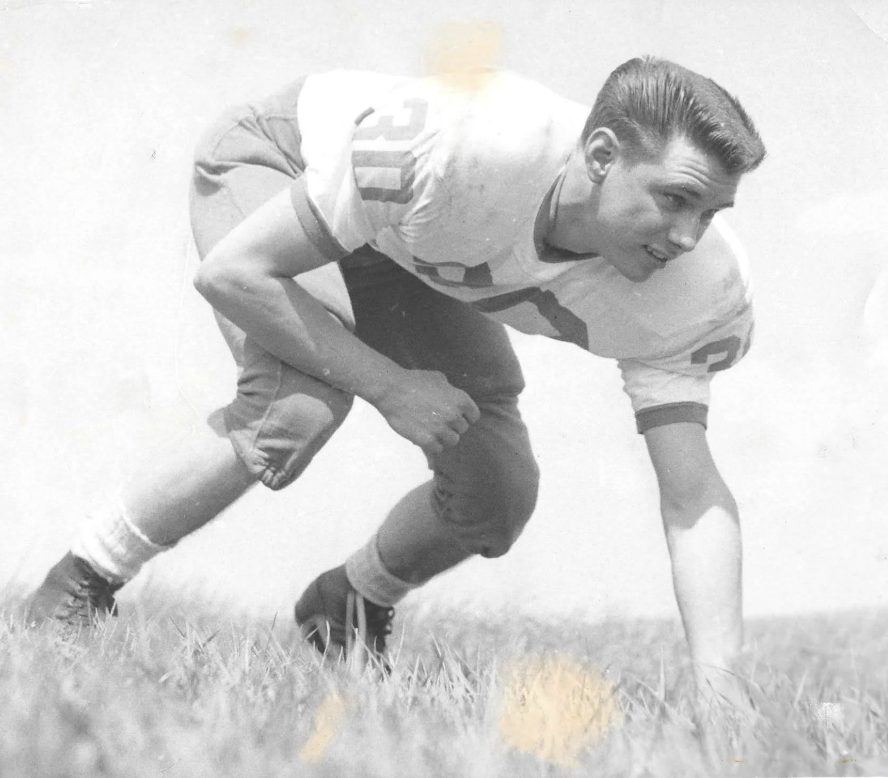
(629, 212)
(630, 223)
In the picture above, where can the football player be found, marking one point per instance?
(365, 235)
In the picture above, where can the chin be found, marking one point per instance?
(631, 269)
(636, 275)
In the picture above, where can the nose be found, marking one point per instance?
(684, 233)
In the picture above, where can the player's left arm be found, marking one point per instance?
(702, 527)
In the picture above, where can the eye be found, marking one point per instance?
(675, 200)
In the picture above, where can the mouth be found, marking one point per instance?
(660, 256)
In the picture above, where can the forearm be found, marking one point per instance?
(291, 324)
(704, 543)
(249, 278)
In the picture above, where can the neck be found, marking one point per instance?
(569, 209)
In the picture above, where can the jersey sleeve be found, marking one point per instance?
(676, 388)
(379, 180)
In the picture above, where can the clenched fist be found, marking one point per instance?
(423, 407)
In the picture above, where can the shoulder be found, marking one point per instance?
(508, 125)
(496, 147)
(499, 120)
(713, 323)
(695, 313)
(468, 159)
(722, 267)
(710, 284)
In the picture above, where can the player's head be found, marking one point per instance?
(648, 102)
(663, 152)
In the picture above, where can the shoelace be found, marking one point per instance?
(374, 624)
(93, 594)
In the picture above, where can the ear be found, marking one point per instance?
(601, 151)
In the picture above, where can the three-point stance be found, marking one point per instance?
(370, 235)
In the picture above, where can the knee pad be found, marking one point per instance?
(486, 487)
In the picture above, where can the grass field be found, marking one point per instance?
(195, 692)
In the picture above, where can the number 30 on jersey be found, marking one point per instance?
(385, 174)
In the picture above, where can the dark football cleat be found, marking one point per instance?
(342, 624)
(74, 594)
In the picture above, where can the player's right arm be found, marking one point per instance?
(249, 278)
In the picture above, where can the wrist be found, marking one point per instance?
(377, 385)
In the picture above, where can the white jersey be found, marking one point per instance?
(449, 184)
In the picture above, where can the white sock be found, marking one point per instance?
(113, 545)
(370, 577)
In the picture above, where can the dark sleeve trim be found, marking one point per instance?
(671, 413)
(313, 223)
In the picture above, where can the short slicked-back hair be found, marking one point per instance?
(647, 102)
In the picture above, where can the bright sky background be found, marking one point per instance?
(107, 350)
